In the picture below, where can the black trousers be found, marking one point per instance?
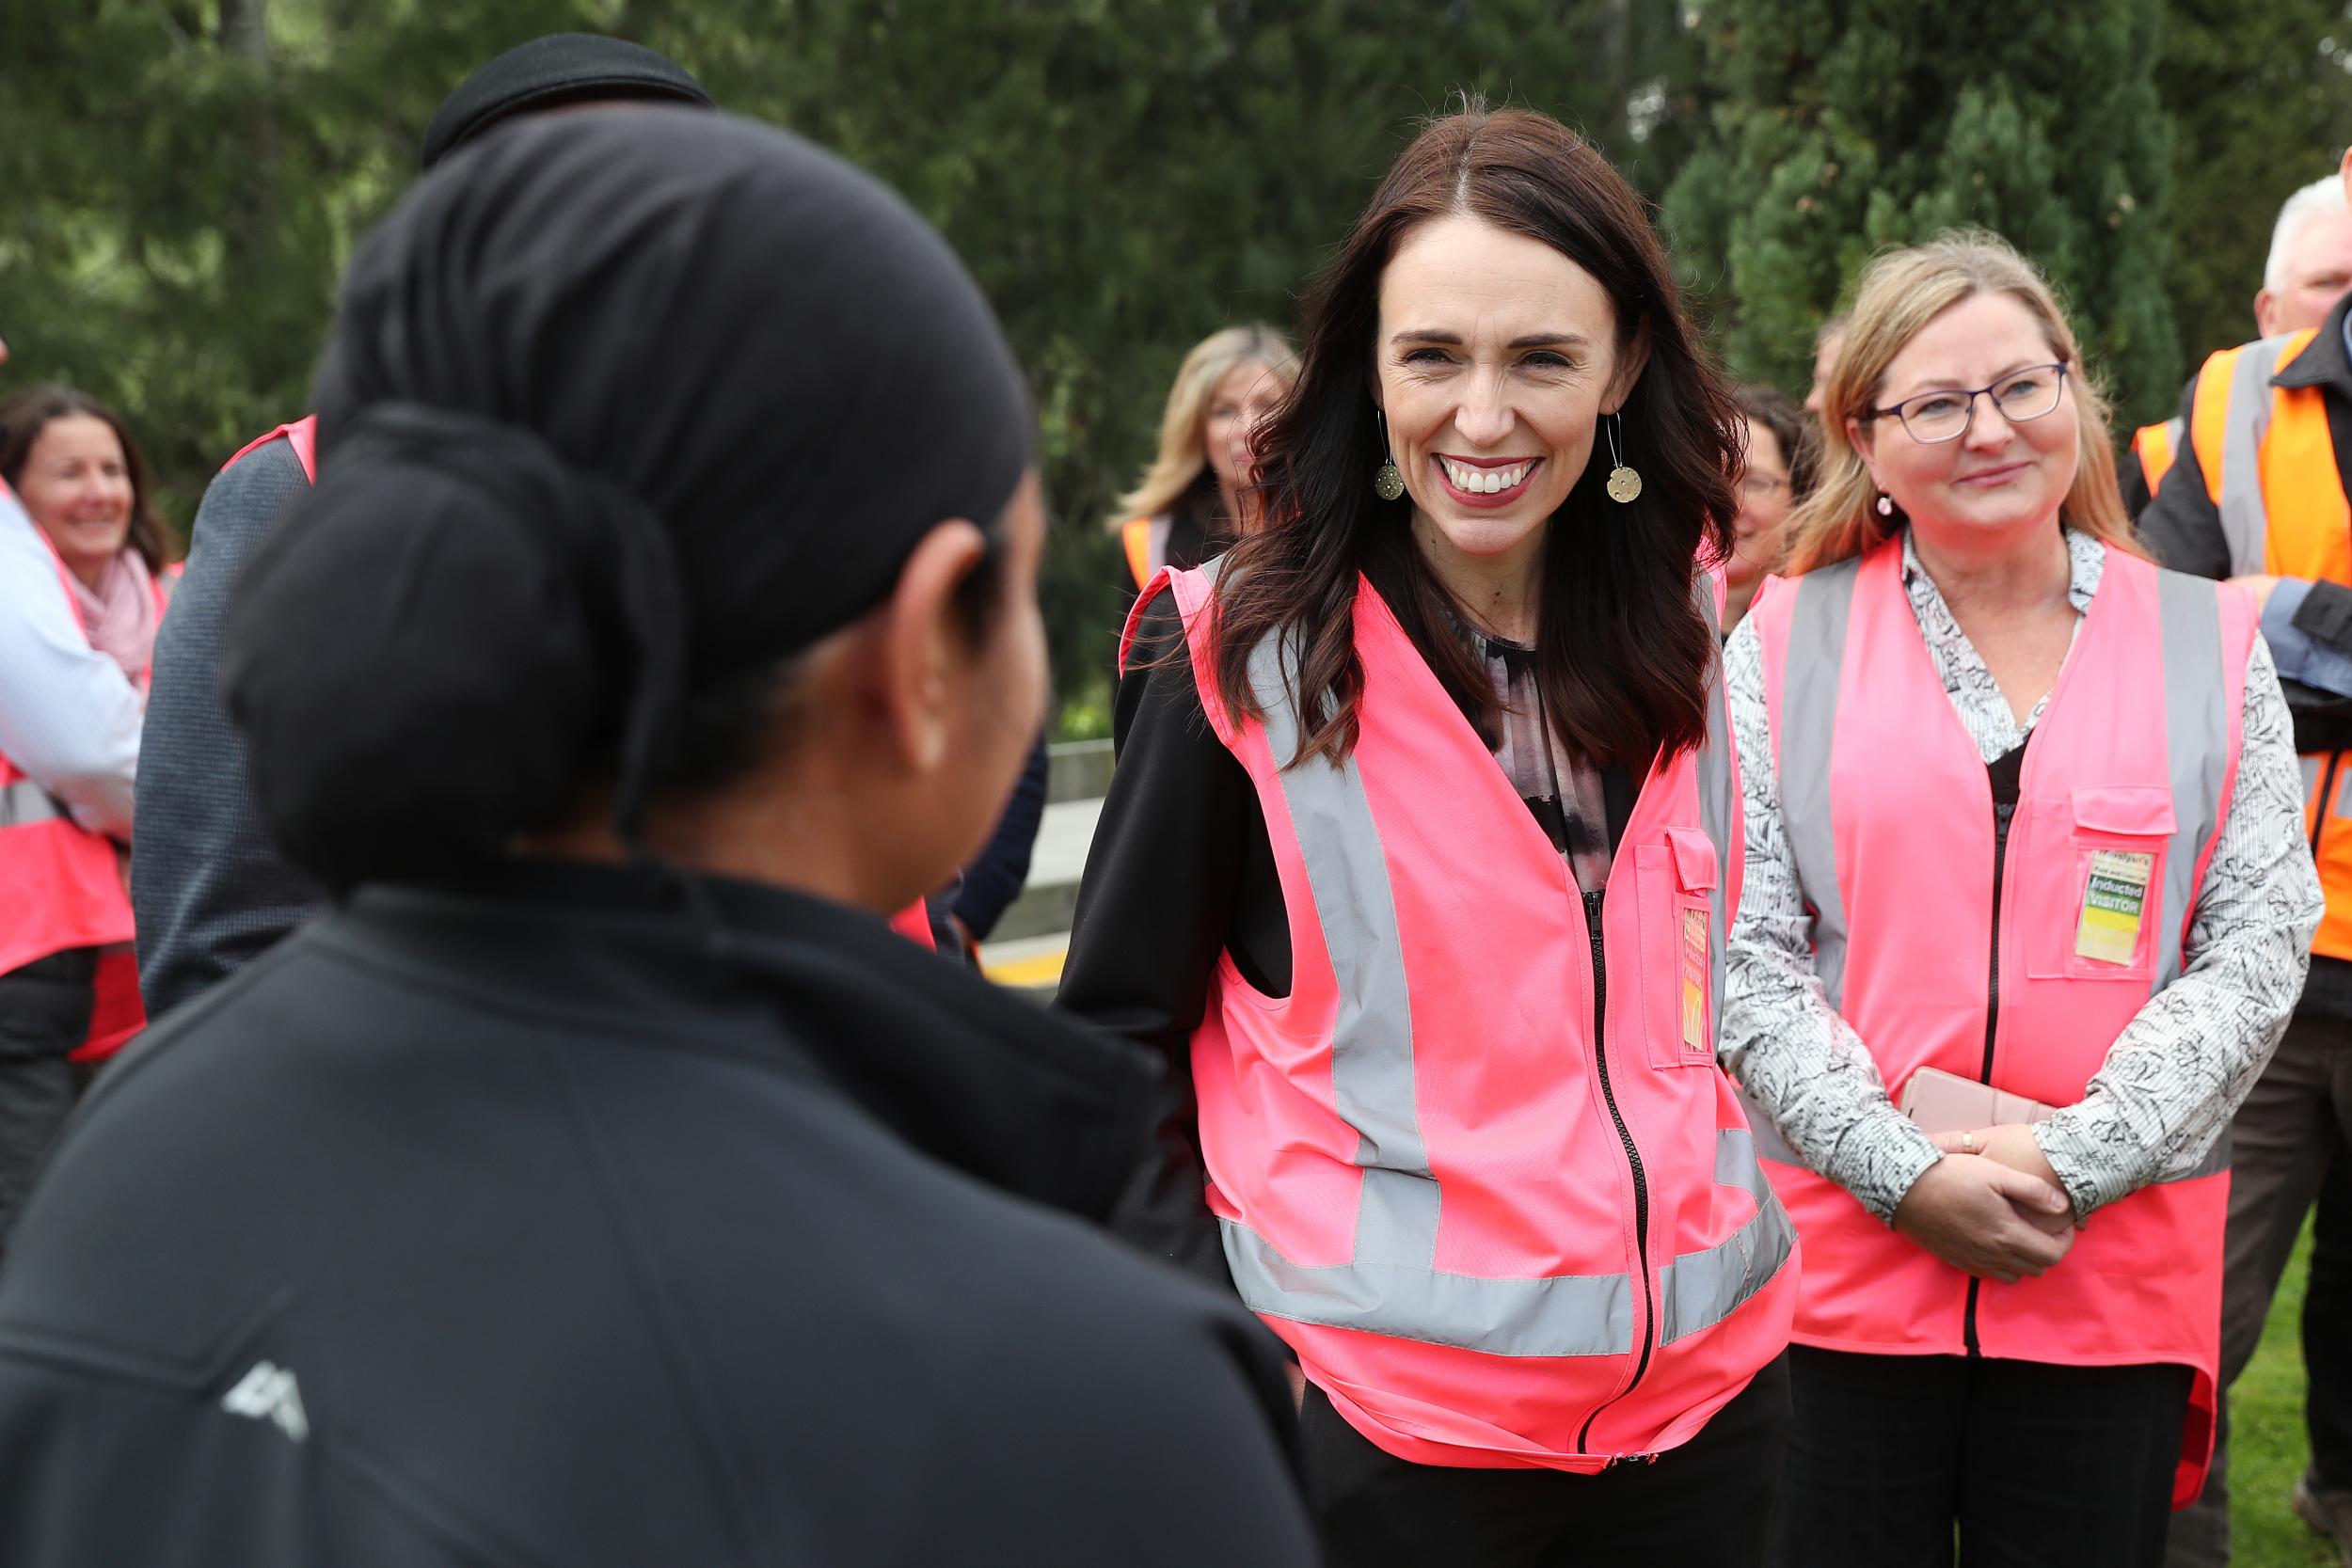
(45, 1012)
(1706, 1504)
(2034, 1465)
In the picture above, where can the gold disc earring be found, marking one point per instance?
(1624, 483)
(1387, 481)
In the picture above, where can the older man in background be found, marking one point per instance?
(2255, 489)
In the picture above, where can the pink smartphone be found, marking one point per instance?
(1941, 1101)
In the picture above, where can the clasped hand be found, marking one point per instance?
(1998, 1213)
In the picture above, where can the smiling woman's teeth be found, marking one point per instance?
(1484, 481)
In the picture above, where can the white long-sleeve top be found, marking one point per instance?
(2176, 1074)
(68, 718)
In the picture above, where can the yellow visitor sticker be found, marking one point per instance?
(1695, 968)
(2115, 896)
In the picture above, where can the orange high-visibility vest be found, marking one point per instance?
(1479, 1168)
(1144, 550)
(2154, 445)
(1890, 821)
(2271, 468)
(63, 884)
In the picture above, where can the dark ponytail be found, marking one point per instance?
(439, 643)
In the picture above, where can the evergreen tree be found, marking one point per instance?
(185, 179)
(2260, 100)
(1847, 126)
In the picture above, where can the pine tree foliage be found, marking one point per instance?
(1846, 127)
(185, 178)
(2260, 97)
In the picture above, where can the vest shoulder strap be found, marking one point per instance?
(2229, 415)
(302, 435)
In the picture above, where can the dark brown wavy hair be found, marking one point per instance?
(23, 415)
(1623, 650)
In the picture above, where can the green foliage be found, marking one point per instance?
(2268, 1444)
(2262, 102)
(186, 178)
(1846, 127)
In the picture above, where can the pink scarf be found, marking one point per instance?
(120, 618)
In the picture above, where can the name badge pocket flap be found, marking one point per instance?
(1678, 943)
(2125, 810)
(1694, 858)
(2105, 890)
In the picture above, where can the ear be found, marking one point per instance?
(2263, 303)
(1630, 364)
(917, 643)
(1864, 438)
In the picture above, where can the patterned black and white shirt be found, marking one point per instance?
(2175, 1075)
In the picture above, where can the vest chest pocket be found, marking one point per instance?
(2092, 890)
(1673, 884)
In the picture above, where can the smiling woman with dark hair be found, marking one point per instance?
(1418, 857)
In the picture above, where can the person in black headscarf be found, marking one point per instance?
(209, 891)
(602, 1181)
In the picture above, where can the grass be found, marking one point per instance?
(2267, 1447)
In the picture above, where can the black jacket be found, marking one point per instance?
(530, 1223)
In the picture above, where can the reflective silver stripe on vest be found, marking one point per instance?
(1372, 1039)
(1813, 668)
(1390, 1285)
(2197, 732)
(1699, 1290)
(22, 802)
(2245, 521)
(1571, 1314)
(1719, 812)
(2197, 748)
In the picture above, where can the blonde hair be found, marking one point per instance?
(1182, 456)
(1898, 295)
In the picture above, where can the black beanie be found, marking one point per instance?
(561, 67)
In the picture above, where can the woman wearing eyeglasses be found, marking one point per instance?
(2025, 859)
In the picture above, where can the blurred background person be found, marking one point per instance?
(1969, 873)
(2309, 266)
(2309, 270)
(83, 583)
(1828, 338)
(1775, 476)
(1196, 497)
(2257, 492)
(601, 1181)
(212, 893)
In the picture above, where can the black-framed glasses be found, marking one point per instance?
(1943, 416)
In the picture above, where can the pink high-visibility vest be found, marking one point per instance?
(64, 884)
(1479, 1169)
(1890, 820)
(914, 923)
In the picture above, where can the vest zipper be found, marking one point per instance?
(1633, 1158)
(2327, 787)
(2003, 811)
